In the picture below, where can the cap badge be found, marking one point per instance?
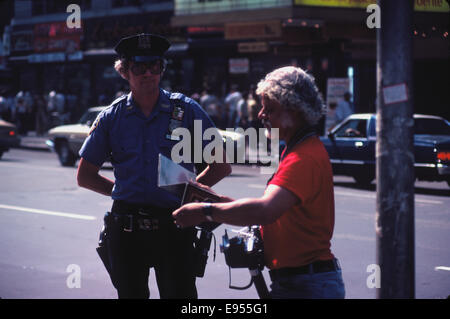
(144, 42)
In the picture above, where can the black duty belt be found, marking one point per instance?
(133, 217)
(312, 268)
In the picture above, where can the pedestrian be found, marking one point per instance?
(211, 104)
(253, 109)
(344, 108)
(231, 101)
(297, 209)
(41, 116)
(21, 113)
(331, 120)
(242, 112)
(133, 131)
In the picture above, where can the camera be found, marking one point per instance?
(246, 250)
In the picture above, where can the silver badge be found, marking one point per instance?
(144, 42)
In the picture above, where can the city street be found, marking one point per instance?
(49, 228)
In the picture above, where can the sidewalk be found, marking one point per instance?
(34, 142)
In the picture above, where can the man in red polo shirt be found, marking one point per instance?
(297, 209)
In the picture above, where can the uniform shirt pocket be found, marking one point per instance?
(126, 149)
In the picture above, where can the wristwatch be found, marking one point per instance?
(207, 211)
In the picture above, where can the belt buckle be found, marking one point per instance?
(148, 224)
(129, 227)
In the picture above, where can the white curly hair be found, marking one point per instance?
(294, 89)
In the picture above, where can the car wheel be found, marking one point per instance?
(363, 179)
(65, 155)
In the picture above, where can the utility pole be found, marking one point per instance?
(394, 151)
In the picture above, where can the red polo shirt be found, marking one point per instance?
(303, 233)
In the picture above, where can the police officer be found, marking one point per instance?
(132, 132)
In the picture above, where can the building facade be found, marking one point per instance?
(46, 54)
(330, 38)
(217, 43)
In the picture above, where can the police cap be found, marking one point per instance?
(142, 47)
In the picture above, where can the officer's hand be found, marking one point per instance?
(204, 187)
(189, 215)
(222, 198)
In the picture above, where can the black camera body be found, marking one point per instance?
(246, 250)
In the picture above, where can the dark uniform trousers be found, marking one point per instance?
(165, 247)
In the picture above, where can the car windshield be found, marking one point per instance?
(88, 117)
(431, 127)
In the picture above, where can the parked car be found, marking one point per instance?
(66, 140)
(351, 147)
(8, 136)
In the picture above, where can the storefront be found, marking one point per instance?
(330, 39)
(80, 62)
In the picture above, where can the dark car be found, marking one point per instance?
(351, 147)
(8, 136)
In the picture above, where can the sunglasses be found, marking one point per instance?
(155, 67)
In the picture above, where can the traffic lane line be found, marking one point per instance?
(257, 186)
(374, 196)
(46, 212)
(361, 195)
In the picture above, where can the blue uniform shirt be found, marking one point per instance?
(133, 142)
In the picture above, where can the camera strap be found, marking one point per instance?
(298, 138)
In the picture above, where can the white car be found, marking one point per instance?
(66, 140)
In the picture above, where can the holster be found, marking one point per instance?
(103, 249)
(202, 245)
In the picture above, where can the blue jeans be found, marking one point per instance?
(325, 285)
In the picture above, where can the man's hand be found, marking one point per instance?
(189, 215)
(223, 198)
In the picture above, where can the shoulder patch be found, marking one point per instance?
(176, 96)
(95, 124)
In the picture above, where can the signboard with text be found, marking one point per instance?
(56, 37)
(419, 5)
(253, 30)
(186, 7)
(239, 66)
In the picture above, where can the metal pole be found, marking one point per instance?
(394, 151)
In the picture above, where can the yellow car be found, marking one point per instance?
(66, 140)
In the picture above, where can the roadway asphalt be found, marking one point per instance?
(49, 226)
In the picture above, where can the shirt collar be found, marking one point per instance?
(129, 105)
(162, 105)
